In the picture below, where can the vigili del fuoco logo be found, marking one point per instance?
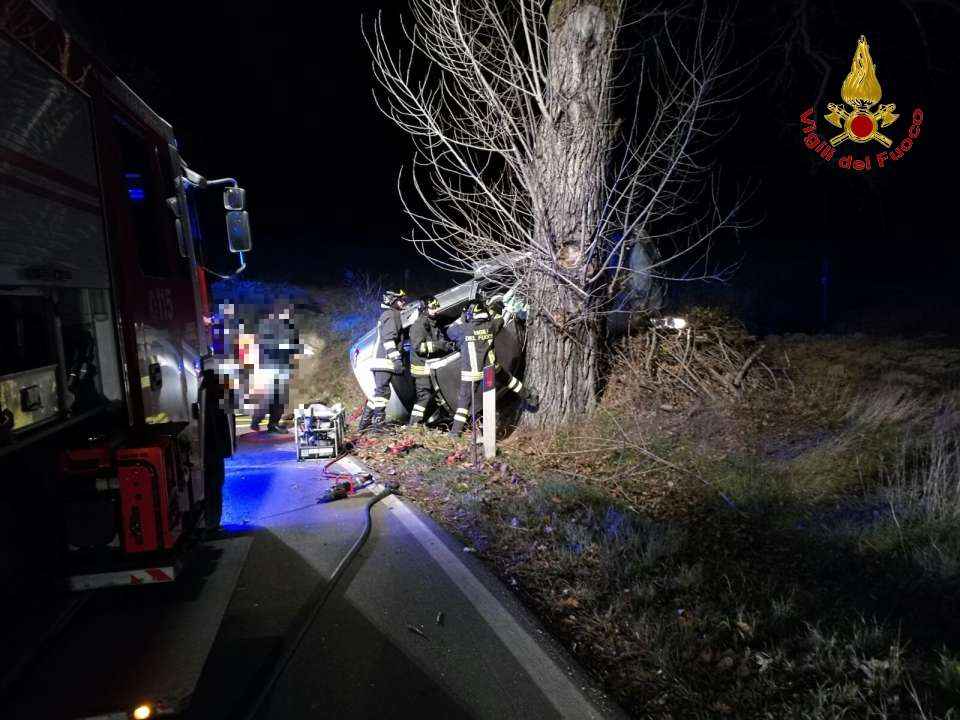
(862, 120)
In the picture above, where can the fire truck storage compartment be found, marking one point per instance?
(51, 225)
(55, 307)
(59, 354)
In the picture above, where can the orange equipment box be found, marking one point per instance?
(152, 496)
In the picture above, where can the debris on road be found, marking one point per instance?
(455, 457)
(417, 630)
(403, 446)
(391, 484)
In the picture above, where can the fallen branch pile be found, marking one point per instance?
(713, 357)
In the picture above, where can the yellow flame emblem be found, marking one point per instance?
(861, 91)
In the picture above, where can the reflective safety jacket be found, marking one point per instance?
(475, 341)
(426, 341)
(389, 338)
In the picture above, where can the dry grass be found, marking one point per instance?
(342, 315)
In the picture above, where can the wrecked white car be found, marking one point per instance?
(641, 293)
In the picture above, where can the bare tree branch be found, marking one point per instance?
(512, 108)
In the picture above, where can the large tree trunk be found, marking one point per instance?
(562, 364)
(567, 181)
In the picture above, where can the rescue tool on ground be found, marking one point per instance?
(318, 431)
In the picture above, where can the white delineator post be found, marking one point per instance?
(489, 412)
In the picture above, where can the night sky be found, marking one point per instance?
(279, 95)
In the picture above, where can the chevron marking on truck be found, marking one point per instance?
(141, 576)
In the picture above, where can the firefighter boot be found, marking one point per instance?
(379, 418)
(459, 421)
(417, 415)
(366, 419)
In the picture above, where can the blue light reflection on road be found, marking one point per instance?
(266, 486)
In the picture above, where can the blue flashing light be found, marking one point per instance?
(135, 186)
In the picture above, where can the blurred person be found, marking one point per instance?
(230, 345)
(278, 342)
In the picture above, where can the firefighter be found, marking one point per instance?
(388, 360)
(426, 341)
(474, 334)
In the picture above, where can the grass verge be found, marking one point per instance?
(793, 554)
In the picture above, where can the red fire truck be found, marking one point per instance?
(113, 422)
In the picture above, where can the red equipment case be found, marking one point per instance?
(153, 496)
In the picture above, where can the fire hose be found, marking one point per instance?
(318, 599)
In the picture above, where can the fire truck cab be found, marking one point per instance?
(113, 420)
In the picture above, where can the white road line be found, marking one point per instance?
(556, 686)
(351, 466)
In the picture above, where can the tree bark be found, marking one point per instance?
(567, 178)
(562, 362)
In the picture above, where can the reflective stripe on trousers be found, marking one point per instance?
(381, 364)
(472, 353)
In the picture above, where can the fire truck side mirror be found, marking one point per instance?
(238, 231)
(234, 198)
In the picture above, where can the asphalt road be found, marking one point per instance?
(488, 658)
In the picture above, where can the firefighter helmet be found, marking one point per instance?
(392, 296)
(476, 310)
(431, 304)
